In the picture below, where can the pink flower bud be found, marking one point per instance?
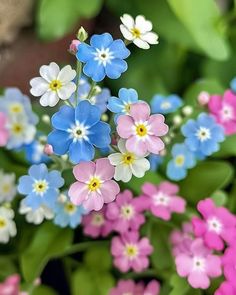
(74, 46)
(37, 282)
(203, 98)
(48, 149)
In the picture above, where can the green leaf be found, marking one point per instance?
(205, 179)
(88, 283)
(200, 19)
(179, 285)
(98, 258)
(7, 267)
(88, 8)
(227, 148)
(135, 183)
(49, 241)
(43, 290)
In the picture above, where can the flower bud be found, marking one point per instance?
(203, 98)
(74, 46)
(104, 117)
(187, 110)
(82, 35)
(48, 149)
(177, 120)
(46, 119)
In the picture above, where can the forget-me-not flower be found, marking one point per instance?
(165, 104)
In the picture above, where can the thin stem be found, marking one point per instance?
(93, 84)
(78, 71)
(69, 103)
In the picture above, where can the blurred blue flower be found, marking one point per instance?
(233, 85)
(165, 104)
(67, 214)
(77, 131)
(35, 151)
(40, 186)
(100, 100)
(155, 161)
(183, 159)
(203, 135)
(104, 57)
(121, 105)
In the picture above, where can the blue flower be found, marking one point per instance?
(233, 85)
(104, 57)
(100, 100)
(15, 104)
(77, 131)
(183, 159)
(203, 135)
(35, 151)
(40, 186)
(121, 104)
(155, 161)
(67, 214)
(165, 105)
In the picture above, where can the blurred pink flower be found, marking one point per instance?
(217, 226)
(10, 286)
(203, 98)
(225, 289)
(96, 224)
(229, 265)
(141, 130)
(126, 212)
(223, 108)
(94, 186)
(131, 252)
(4, 135)
(162, 199)
(199, 265)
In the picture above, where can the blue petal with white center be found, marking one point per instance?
(165, 104)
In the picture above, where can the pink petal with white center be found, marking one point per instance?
(157, 125)
(94, 201)
(145, 247)
(177, 204)
(66, 74)
(117, 247)
(161, 212)
(155, 144)
(39, 86)
(184, 265)
(140, 263)
(109, 190)
(168, 188)
(226, 216)
(50, 72)
(78, 193)
(213, 266)
(124, 126)
(206, 207)
(140, 111)
(113, 211)
(84, 171)
(122, 263)
(149, 189)
(124, 197)
(199, 226)
(199, 280)
(134, 145)
(104, 170)
(213, 241)
(199, 248)
(215, 104)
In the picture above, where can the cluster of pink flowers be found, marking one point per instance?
(11, 286)
(125, 216)
(131, 288)
(206, 248)
(4, 134)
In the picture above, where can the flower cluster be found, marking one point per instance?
(129, 287)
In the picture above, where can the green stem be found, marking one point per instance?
(93, 84)
(78, 71)
(69, 103)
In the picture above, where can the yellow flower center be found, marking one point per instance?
(2, 222)
(127, 211)
(16, 108)
(127, 108)
(17, 128)
(69, 208)
(136, 32)
(55, 85)
(40, 186)
(6, 188)
(128, 158)
(97, 219)
(179, 160)
(141, 130)
(131, 251)
(94, 184)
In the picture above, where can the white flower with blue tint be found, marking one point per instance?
(183, 159)
(7, 187)
(121, 105)
(67, 214)
(103, 57)
(203, 135)
(7, 224)
(165, 104)
(41, 186)
(53, 84)
(36, 216)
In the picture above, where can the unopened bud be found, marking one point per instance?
(74, 46)
(48, 149)
(46, 119)
(104, 117)
(203, 98)
(177, 120)
(82, 35)
(187, 110)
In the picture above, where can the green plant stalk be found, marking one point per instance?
(78, 75)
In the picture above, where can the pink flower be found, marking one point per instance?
(203, 98)
(74, 46)
(96, 224)
(225, 289)
(163, 200)
(218, 225)
(94, 186)
(181, 240)
(229, 264)
(152, 288)
(4, 135)
(224, 110)
(10, 286)
(126, 212)
(130, 252)
(199, 265)
(141, 130)
(124, 287)
(48, 149)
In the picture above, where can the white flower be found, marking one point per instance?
(138, 31)
(36, 216)
(7, 225)
(127, 163)
(7, 187)
(54, 84)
